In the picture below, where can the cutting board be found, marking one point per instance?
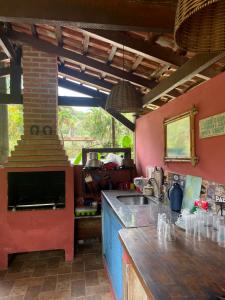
(191, 191)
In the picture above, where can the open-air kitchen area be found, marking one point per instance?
(112, 142)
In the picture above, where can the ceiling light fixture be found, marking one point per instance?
(124, 97)
(200, 25)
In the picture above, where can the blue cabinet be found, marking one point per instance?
(112, 248)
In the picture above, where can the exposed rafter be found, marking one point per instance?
(86, 43)
(192, 67)
(59, 36)
(50, 48)
(141, 47)
(85, 78)
(136, 63)
(112, 54)
(34, 31)
(81, 89)
(110, 14)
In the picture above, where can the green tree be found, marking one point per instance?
(15, 116)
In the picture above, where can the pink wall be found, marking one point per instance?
(209, 98)
(24, 231)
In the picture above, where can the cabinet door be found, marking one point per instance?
(106, 232)
(116, 261)
(134, 288)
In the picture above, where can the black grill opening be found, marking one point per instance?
(36, 190)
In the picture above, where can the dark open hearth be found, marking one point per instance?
(36, 190)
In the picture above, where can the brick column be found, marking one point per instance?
(40, 145)
(40, 80)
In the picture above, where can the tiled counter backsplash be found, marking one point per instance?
(210, 190)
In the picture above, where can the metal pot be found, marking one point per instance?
(93, 163)
(92, 155)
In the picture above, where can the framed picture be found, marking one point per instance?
(179, 138)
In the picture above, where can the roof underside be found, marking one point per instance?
(100, 58)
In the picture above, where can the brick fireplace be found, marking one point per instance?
(36, 183)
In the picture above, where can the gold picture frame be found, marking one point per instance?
(179, 138)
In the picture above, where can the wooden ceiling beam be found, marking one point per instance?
(110, 14)
(62, 100)
(83, 77)
(5, 71)
(10, 99)
(80, 101)
(192, 67)
(140, 47)
(119, 117)
(50, 48)
(80, 88)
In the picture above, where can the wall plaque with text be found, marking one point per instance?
(212, 126)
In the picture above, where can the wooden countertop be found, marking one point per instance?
(182, 269)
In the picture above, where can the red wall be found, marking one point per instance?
(209, 98)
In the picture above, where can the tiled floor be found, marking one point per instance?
(45, 276)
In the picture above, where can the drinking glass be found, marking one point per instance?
(221, 232)
(161, 224)
(170, 233)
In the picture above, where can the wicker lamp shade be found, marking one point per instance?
(124, 98)
(200, 25)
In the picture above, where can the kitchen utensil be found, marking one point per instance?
(155, 187)
(159, 176)
(148, 190)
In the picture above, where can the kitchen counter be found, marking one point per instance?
(130, 216)
(134, 215)
(182, 269)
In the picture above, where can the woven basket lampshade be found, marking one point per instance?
(200, 25)
(124, 98)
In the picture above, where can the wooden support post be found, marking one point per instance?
(15, 74)
(4, 139)
(113, 133)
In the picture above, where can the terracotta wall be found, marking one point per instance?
(209, 98)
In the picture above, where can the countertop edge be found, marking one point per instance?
(143, 283)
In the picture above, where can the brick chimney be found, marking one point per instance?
(40, 145)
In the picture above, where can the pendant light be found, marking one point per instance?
(124, 97)
(200, 25)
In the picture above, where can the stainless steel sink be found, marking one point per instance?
(133, 200)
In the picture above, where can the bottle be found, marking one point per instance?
(175, 195)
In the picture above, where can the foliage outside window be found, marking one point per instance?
(77, 129)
